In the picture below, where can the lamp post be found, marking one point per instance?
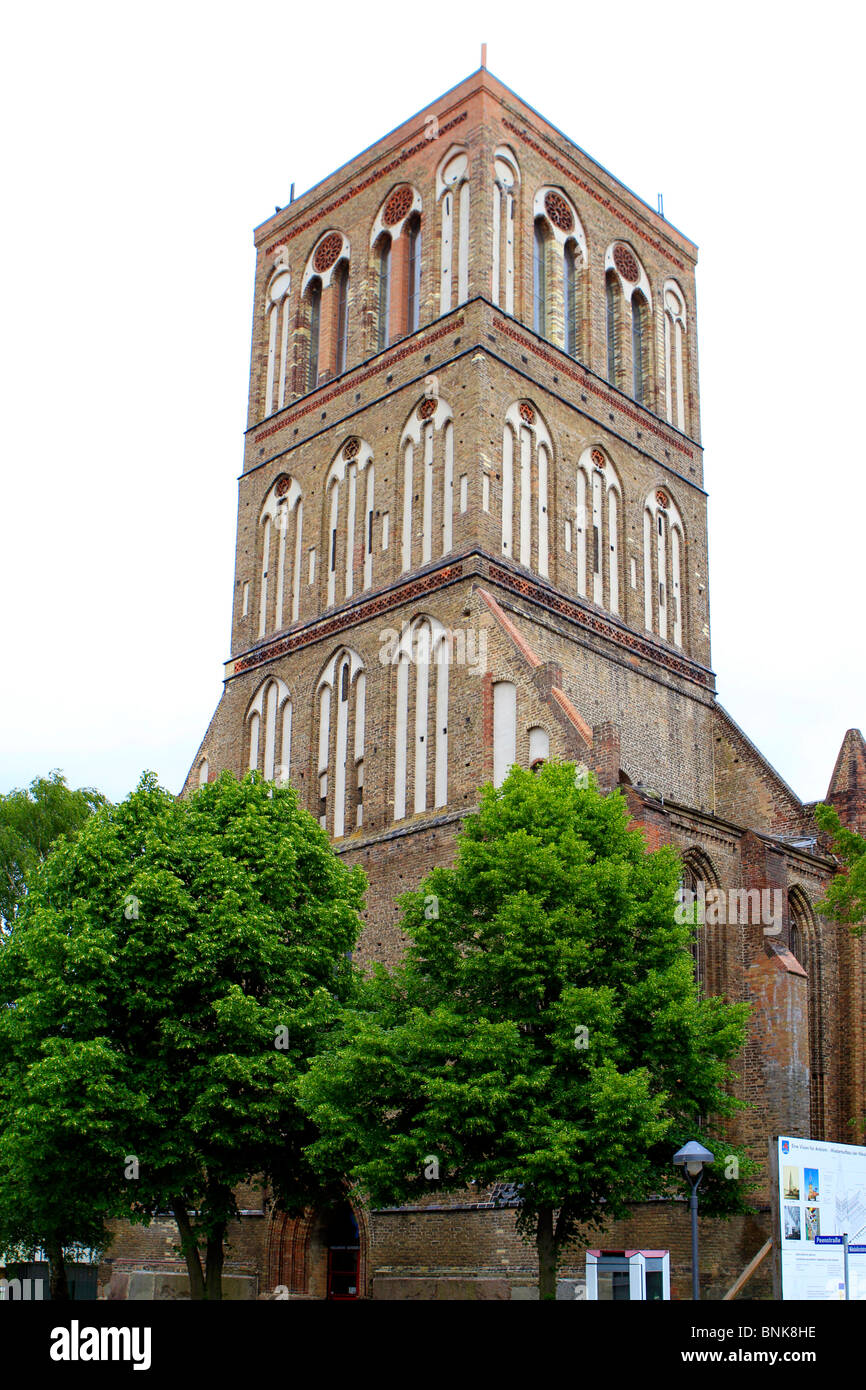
(693, 1157)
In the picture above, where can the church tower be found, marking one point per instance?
(471, 521)
(472, 532)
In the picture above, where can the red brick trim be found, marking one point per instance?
(352, 618)
(600, 625)
(580, 375)
(593, 193)
(320, 398)
(359, 187)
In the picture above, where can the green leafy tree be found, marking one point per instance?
(545, 1029)
(31, 821)
(845, 898)
(171, 976)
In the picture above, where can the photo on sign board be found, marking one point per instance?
(810, 1183)
(792, 1223)
(791, 1181)
(813, 1223)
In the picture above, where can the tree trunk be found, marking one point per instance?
(214, 1267)
(546, 1248)
(189, 1246)
(58, 1289)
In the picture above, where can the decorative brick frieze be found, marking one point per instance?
(607, 203)
(359, 187)
(586, 382)
(559, 604)
(353, 617)
(320, 398)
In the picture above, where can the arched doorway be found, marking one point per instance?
(343, 1242)
(319, 1255)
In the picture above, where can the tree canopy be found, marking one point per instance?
(845, 898)
(31, 820)
(545, 1029)
(171, 975)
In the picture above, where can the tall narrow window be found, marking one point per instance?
(452, 192)
(278, 339)
(527, 455)
(597, 539)
(421, 742)
(539, 279)
(569, 272)
(506, 179)
(639, 348)
(427, 446)
(281, 524)
(342, 279)
(384, 292)
(664, 552)
(675, 355)
(413, 287)
(315, 297)
(504, 730)
(612, 307)
(341, 692)
(270, 713)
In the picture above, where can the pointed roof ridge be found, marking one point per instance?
(849, 773)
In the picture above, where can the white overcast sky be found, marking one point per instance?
(142, 144)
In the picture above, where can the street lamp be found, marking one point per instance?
(694, 1157)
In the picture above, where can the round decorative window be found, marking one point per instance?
(398, 205)
(663, 500)
(283, 485)
(626, 264)
(327, 252)
(558, 211)
(598, 458)
(351, 449)
(527, 414)
(427, 408)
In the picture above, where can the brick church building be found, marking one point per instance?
(472, 531)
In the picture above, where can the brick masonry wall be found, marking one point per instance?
(638, 709)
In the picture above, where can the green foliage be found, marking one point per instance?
(174, 970)
(845, 899)
(545, 1028)
(30, 822)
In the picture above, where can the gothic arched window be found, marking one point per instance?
(506, 177)
(663, 564)
(629, 355)
(280, 531)
(427, 450)
(640, 348)
(421, 745)
(539, 278)
(675, 355)
(341, 693)
(314, 310)
(326, 294)
(277, 310)
(613, 316)
(559, 261)
(527, 455)
(269, 724)
(395, 241)
(348, 519)
(384, 291)
(597, 530)
(413, 278)
(452, 191)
